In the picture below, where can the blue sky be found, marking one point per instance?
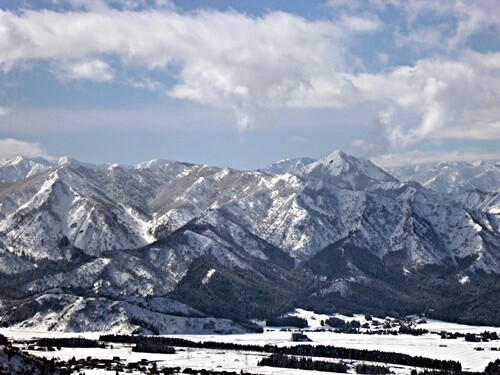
(245, 83)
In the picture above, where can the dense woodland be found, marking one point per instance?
(287, 321)
(148, 346)
(342, 324)
(68, 342)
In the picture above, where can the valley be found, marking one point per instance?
(473, 356)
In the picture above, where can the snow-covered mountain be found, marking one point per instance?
(19, 167)
(293, 166)
(17, 362)
(347, 172)
(340, 232)
(453, 177)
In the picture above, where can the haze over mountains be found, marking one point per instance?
(167, 246)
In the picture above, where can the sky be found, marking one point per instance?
(245, 83)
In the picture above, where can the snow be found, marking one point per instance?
(144, 226)
(429, 345)
(338, 286)
(464, 280)
(337, 198)
(332, 198)
(19, 167)
(288, 166)
(347, 171)
(451, 177)
(208, 276)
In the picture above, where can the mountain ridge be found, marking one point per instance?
(339, 232)
(453, 177)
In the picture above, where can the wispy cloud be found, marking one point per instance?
(357, 24)
(92, 70)
(444, 25)
(449, 22)
(118, 4)
(147, 84)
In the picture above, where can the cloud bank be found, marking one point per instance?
(278, 60)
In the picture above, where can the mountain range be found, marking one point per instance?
(166, 246)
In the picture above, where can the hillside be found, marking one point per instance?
(167, 247)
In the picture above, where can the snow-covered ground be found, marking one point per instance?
(429, 345)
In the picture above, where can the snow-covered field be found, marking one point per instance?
(429, 345)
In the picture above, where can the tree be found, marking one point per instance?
(493, 368)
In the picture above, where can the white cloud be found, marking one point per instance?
(94, 5)
(253, 64)
(487, 61)
(349, 4)
(444, 25)
(10, 147)
(147, 84)
(454, 22)
(226, 59)
(485, 132)
(437, 99)
(361, 24)
(425, 39)
(92, 70)
(120, 4)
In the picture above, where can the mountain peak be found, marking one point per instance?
(347, 171)
(338, 154)
(64, 160)
(18, 160)
(153, 163)
(21, 167)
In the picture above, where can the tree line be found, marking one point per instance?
(68, 342)
(341, 323)
(150, 346)
(287, 321)
(325, 351)
(370, 355)
(409, 330)
(302, 363)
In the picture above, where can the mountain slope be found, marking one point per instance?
(347, 172)
(288, 166)
(339, 233)
(19, 167)
(453, 177)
